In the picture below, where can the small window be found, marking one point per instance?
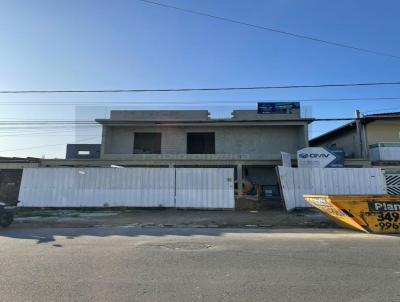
(83, 152)
(147, 143)
(201, 143)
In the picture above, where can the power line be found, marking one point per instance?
(194, 102)
(337, 85)
(41, 146)
(44, 133)
(116, 122)
(34, 127)
(41, 121)
(290, 34)
(88, 123)
(23, 128)
(93, 137)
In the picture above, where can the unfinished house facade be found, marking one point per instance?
(249, 142)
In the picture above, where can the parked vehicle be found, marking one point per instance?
(7, 214)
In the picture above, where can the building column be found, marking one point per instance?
(239, 179)
(360, 145)
(365, 140)
(104, 141)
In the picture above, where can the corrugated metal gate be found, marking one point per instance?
(296, 182)
(97, 187)
(206, 188)
(132, 187)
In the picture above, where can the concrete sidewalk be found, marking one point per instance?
(168, 218)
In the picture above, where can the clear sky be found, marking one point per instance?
(96, 44)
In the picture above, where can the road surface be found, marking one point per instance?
(168, 264)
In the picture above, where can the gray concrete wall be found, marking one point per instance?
(193, 115)
(253, 115)
(257, 140)
(346, 140)
(228, 140)
(158, 115)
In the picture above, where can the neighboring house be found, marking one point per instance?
(83, 151)
(356, 140)
(248, 141)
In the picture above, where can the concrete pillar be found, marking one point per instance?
(359, 142)
(239, 174)
(305, 133)
(104, 141)
(365, 140)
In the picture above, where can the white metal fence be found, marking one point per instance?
(204, 188)
(132, 187)
(296, 182)
(97, 187)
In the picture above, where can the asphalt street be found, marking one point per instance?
(197, 264)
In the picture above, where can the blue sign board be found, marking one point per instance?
(339, 160)
(278, 108)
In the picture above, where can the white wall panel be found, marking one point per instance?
(297, 182)
(390, 153)
(97, 187)
(207, 188)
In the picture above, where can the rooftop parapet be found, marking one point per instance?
(253, 115)
(159, 115)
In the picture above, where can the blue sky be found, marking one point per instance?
(87, 44)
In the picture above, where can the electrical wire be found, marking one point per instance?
(41, 146)
(116, 122)
(329, 85)
(270, 29)
(192, 102)
(94, 137)
(44, 133)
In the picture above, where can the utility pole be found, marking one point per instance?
(359, 135)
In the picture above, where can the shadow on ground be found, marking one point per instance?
(44, 225)
(35, 218)
(49, 235)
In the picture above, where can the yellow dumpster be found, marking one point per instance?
(367, 213)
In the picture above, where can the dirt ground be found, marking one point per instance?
(28, 218)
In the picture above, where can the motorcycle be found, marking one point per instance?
(7, 214)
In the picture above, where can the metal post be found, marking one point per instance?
(358, 130)
(239, 172)
(365, 139)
